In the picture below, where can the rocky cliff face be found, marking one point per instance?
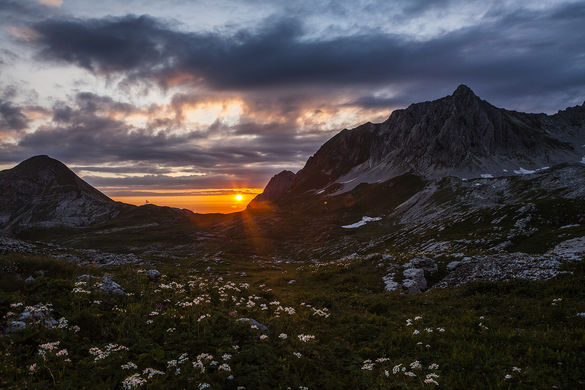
(43, 192)
(458, 135)
(275, 188)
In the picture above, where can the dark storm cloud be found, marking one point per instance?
(513, 50)
(11, 117)
(24, 11)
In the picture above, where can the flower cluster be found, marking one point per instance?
(107, 351)
(306, 337)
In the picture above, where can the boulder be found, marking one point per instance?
(15, 326)
(252, 321)
(452, 265)
(29, 280)
(153, 274)
(85, 278)
(414, 280)
(108, 286)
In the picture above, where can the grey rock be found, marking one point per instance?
(30, 280)
(85, 278)
(25, 315)
(502, 245)
(108, 286)
(15, 326)
(252, 321)
(414, 280)
(424, 263)
(504, 266)
(50, 322)
(452, 265)
(153, 274)
(573, 249)
(389, 283)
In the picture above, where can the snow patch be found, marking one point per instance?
(523, 171)
(363, 221)
(487, 176)
(349, 181)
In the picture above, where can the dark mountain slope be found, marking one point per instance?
(43, 192)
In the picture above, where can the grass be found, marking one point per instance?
(520, 328)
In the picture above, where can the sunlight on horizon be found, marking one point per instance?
(216, 203)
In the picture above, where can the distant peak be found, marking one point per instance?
(284, 174)
(463, 91)
(40, 159)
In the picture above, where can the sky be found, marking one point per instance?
(188, 103)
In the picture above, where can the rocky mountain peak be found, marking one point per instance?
(43, 192)
(463, 92)
(277, 186)
(458, 135)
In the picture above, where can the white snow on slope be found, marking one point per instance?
(362, 222)
(523, 171)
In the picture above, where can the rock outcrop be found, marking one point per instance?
(275, 188)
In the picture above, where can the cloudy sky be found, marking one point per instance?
(188, 102)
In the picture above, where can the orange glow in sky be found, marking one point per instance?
(224, 203)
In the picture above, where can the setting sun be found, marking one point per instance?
(239, 197)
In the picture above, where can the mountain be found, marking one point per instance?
(43, 192)
(275, 188)
(458, 135)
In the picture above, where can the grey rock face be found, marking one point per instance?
(424, 263)
(459, 135)
(573, 249)
(275, 188)
(503, 267)
(389, 283)
(414, 280)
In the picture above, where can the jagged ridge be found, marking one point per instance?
(460, 135)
